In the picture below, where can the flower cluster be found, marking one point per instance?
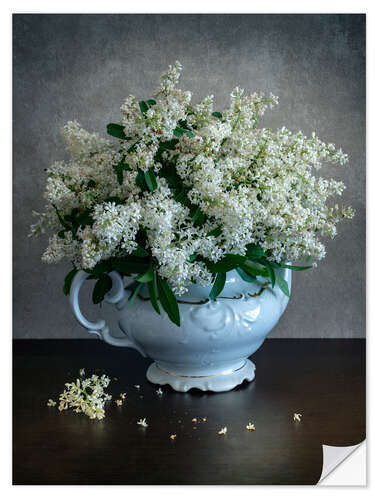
(184, 186)
(86, 396)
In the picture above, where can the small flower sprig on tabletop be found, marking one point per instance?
(142, 422)
(86, 396)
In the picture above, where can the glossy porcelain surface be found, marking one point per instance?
(210, 348)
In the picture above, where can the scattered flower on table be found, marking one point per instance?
(123, 395)
(223, 430)
(142, 422)
(159, 392)
(86, 396)
(194, 420)
(137, 387)
(250, 427)
(204, 419)
(297, 417)
(118, 402)
(173, 437)
(51, 402)
(82, 372)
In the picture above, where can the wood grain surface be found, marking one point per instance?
(324, 380)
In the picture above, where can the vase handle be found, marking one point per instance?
(100, 328)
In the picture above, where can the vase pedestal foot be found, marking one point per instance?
(217, 383)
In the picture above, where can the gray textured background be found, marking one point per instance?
(82, 66)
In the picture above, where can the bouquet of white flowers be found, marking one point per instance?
(185, 194)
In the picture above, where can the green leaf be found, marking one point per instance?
(215, 232)
(254, 268)
(275, 265)
(182, 198)
(100, 268)
(141, 181)
(116, 130)
(283, 285)
(130, 265)
(150, 180)
(143, 107)
(295, 268)
(169, 172)
(102, 286)
(135, 293)
(227, 263)
(147, 276)
(308, 258)
(198, 217)
(119, 169)
(68, 281)
(192, 257)
(140, 252)
(84, 218)
(270, 270)
(217, 114)
(151, 285)
(245, 276)
(151, 102)
(167, 145)
(91, 184)
(218, 285)
(120, 175)
(254, 251)
(179, 131)
(113, 199)
(168, 301)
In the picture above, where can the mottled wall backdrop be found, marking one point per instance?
(82, 66)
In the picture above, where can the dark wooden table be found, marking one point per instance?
(322, 379)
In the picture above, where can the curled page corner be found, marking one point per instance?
(355, 470)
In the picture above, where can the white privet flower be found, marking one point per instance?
(258, 185)
(86, 396)
(250, 427)
(142, 422)
(223, 431)
(297, 417)
(51, 402)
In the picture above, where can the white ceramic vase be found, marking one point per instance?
(210, 349)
